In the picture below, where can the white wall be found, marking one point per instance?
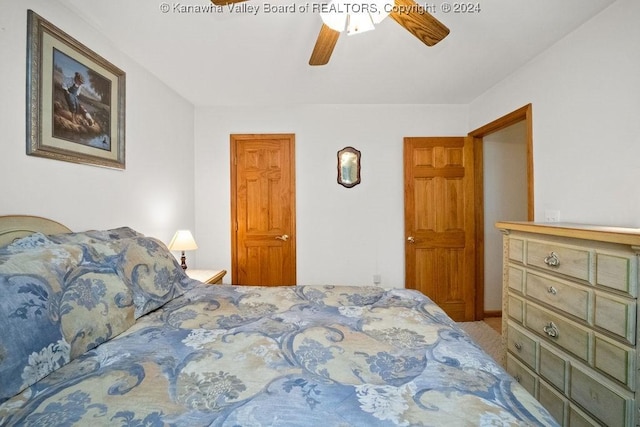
(154, 194)
(505, 199)
(344, 236)
(586, 103)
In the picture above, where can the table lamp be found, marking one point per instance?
(183, 241)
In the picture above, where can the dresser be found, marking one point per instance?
(570, 319)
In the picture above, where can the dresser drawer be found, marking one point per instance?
(522, 346)
(577, 418)
(522, 374)
(516, 249)
(516, 279)
(616, 315)
(554, 328)
(617, 271)
(554, 367)
(516, 309)
(561, 295)
(554, 402)
(571, 261)
(616, 360)
(601, 400)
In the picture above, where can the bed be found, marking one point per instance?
(103, 327)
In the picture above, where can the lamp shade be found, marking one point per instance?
(183, 241)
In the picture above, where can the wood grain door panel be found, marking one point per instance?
(263, 210)
(439, 222)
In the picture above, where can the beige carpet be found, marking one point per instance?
(486, 337)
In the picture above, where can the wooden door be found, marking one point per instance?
(263, 241)
(439, 222)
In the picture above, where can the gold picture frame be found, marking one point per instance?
(75, 99)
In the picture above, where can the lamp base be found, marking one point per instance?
(183, 260)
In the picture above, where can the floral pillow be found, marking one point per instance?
(54, 306)
(91, 236)
(101, 243)
(144, 263)
(95, 306)
(152, 273)
(34, 240)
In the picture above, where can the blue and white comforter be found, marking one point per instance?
(283, 356)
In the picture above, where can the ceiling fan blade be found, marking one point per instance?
(419, 22)
(327, 40)
(225, 2)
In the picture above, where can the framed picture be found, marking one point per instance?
(75, 99)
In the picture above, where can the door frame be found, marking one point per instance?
(524, 113)
(233, 141)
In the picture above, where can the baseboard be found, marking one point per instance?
(493, 313)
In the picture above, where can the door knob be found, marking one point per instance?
(284, 237)
(410, 239)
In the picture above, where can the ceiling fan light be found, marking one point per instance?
(383, 7)
(359, 23)
(335, 18)
(335, 21)
(355, 17)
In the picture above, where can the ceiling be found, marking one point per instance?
(242, 58)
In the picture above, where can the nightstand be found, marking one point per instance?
(207, 276)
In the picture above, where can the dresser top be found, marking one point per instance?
(629, 236)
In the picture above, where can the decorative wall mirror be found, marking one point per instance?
(349, 167)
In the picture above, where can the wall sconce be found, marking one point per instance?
(183, 241)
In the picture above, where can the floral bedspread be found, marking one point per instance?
(284, 356)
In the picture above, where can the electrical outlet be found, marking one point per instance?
(377, 279)
(551, 216)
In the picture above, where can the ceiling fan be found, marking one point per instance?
(409, 14)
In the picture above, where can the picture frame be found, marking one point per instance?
(75, 99)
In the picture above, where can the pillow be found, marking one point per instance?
(91, 236)
(32, 241)
(54, 306)
(101, 243)
(144, 263)
(49, 261)
(95, 306)
(152, 273)
(31, 343)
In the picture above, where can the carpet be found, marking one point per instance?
(486, 337)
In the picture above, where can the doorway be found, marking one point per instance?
(263, 209)
(437, 199)
(519, 121)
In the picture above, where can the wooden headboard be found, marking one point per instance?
(13, 227)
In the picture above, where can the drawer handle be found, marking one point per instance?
(517, 378)
(552, 330)
(552, 260)
(552, 290)
(518, 346)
